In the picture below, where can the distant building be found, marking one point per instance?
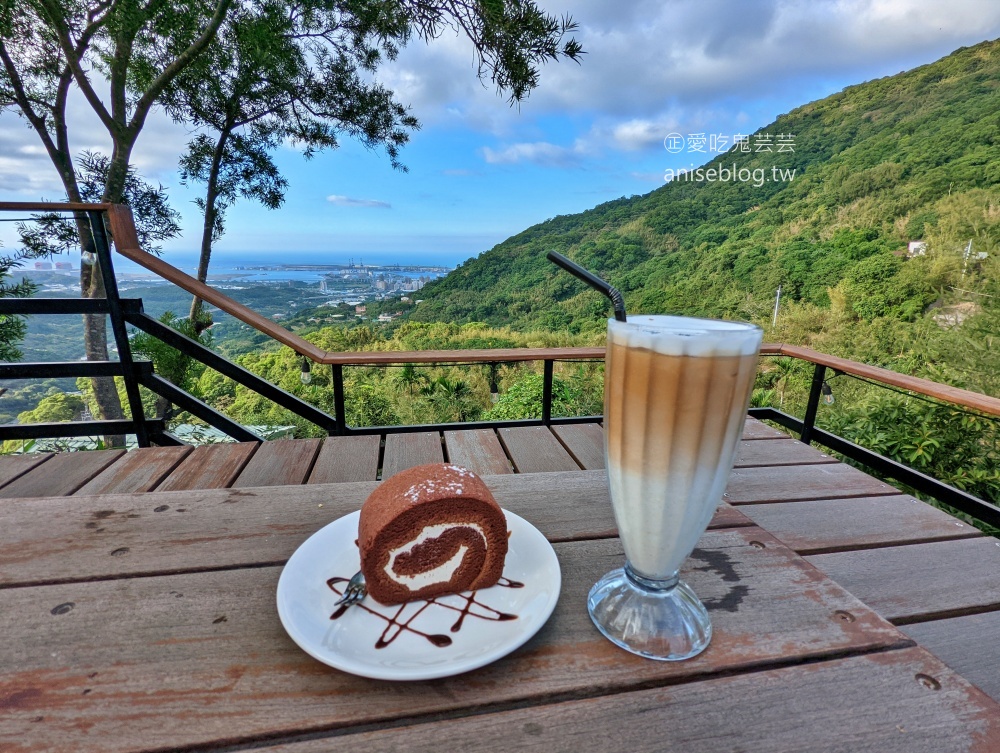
(64, 265)
(916, 248)
(43, 265)
(360, 309)
(385, 317)
(404, 299)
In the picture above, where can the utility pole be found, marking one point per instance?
(777, 300)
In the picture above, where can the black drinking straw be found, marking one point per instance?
(617, 300)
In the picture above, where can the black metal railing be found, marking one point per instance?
(126, 368)
(152, 430)
(809, 433)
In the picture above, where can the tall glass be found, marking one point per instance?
(676, 392)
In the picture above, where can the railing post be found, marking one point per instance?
(339, 406)
(118, 327)
(547, 392)
(809, 421)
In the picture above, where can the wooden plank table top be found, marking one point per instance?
(147, 621)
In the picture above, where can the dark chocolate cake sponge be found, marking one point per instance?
(431, 530)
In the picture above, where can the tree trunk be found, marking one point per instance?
(56, 144)
(208, 228)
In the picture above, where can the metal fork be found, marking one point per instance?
(355, 591)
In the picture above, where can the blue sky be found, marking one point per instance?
(480, 171)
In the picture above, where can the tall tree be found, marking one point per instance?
(134, 52)
(301, 71)
(276, 73)
(49, 46)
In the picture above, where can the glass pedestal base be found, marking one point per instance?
(658, 619)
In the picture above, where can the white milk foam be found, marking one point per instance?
(683, 336)
(440, 574)
(663, 506)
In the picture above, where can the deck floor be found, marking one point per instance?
(936, 577)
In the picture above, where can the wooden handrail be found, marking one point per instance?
(127, 244)
(47, 206)
(944, 392)
(372, 358)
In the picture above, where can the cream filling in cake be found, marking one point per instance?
(440, 574)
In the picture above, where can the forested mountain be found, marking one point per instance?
(914, 156)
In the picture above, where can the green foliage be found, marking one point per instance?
(870, 285)
(58, 407)
(168, 362)
(155, 220)
(304, 73)
(905, 158)
(13, 328)
(953, 446)
(411, 394)
(306, 67)
(370, 406)
(21, 395)
(524, 399)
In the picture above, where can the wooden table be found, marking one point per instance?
(147, 621)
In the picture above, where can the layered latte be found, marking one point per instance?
(675, 400)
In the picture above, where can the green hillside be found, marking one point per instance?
(914, 156)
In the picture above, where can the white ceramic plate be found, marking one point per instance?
(316, 574)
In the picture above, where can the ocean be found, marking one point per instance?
(263, 268)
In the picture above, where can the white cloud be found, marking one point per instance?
(27, 171)
(637, 134)
(539, 153)
(651, 67)
(347, 201)
(649, 58)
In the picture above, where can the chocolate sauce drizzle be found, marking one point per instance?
(396, 624)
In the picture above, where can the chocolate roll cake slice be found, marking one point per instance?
(428, 531)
